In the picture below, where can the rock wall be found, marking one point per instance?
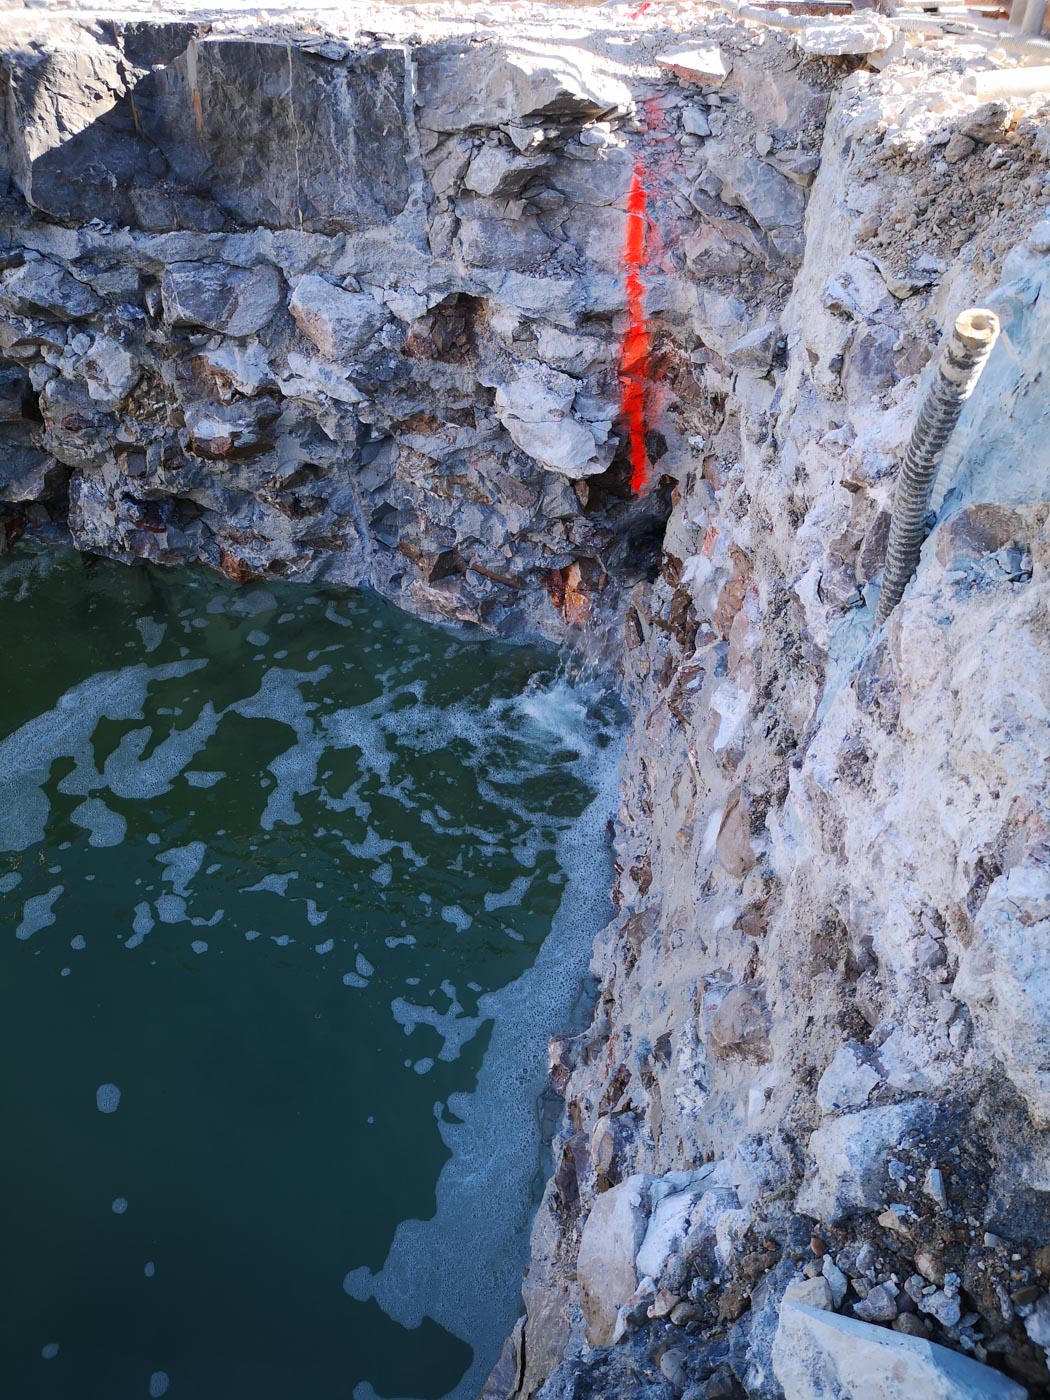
(324, 305)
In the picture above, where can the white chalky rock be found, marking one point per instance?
(337, 321)
(819, 1354)
(606, 1268)
(535, 408)
(707, 66)
(834, 37)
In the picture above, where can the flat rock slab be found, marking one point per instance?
(818, 1354)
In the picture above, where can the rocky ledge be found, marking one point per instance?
(554, 320)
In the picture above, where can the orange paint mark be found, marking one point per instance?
(634, 354)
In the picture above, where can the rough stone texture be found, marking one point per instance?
(399, 364)
(817, 1354)
(608, 1245)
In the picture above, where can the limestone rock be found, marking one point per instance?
(1004, 978)
(605, 1267)
(811, 1293)
(40, 288)
(850, 1155)
(817, 1354)
(740, 1026)
(338, 322)
(707, 66)
(535, 408)
(496, 171)
(847, 1081)
(837, 37)
(507, 84)
(772, 200)
(235, 300)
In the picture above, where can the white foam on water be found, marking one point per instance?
(325, 947)
(171, 909)
(364, 967)
(459, 918)
(483, 1192)
(10, 882)
(351, 979)
(78, 943)
(150, 1269)
(275, 884)
(37, 912)
(454, 1028)
(151, 632)
(252, 934)
(202, 777)
(314, 915)
(382, 874)
(119, 1206)
(129, 775)
(423, 1066)
(107, 1098)
(199, 946)
(158, 1384)
(182, 864)
(105, 828)
(50, 1351)
(26, 756)
(281, 939)
(505, 899)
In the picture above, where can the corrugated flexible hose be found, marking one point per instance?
(962, 359)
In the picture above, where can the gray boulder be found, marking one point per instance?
(338, 322)
(233, 300)
(850, 1156)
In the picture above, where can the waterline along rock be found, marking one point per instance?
(355, 296)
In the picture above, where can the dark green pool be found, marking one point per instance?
(307, 884)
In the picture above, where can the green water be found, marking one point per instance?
(309, 883)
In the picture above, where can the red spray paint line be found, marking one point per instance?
(634, 352)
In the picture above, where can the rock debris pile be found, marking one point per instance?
(345, 299)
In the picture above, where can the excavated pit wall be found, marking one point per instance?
(312, 304)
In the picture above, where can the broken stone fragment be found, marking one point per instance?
(847, 1081)
(879, 1306)
(772, 200)
(495, 171)
(1007, 988)
(340, 323)
(739, 1028)
(230, 430)
(811, 1293)
(503, 84)
(234, 300)
(605, 1268)
(707, 66)
(818, 1354)
(535, 408)
(837, 37)
(850, 1155)
(39, 288)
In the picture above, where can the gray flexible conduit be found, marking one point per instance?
(962, 359)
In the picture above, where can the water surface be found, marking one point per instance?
(279, 870)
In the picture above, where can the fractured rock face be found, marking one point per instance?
(253, 129)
